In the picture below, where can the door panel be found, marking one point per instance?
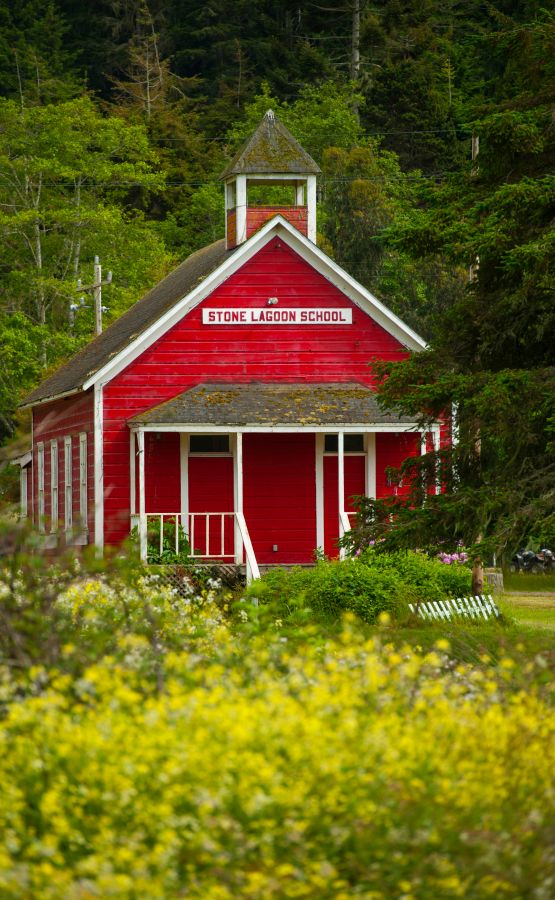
(280, 496)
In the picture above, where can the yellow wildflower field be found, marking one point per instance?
(270, 769)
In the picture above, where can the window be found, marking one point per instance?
(352, 443)
(209, 443)
(40, 479)
(68, 483)
(54, 485)
(83, 479)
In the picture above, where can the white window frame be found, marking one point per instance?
(54, 487)
(83, 493)
(40, 485)
(210, 454)
(68, 483)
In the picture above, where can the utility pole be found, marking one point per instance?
(96, 288)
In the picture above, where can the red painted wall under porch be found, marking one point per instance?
(355, 480)
(192, 353)
(53, 421)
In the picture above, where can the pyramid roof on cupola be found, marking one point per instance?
(271, 150)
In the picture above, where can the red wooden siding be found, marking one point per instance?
(191, 353)
(391, 450)
(280, 496)
(162, 473)
(55, 421)
(355, 478)
(258, 215)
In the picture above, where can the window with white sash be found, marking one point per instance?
(68, 483)
(40, 484)
(83, 479)
(54, 485)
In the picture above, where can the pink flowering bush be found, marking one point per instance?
(459, 556)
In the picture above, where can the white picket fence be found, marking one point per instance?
(479, 607)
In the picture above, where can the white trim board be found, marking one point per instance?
(282, 429)
(98, 468)
(275, 227)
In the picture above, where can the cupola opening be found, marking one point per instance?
(271, 175)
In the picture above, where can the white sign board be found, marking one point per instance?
(314, 315)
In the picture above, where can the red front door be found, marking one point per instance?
(279, 496)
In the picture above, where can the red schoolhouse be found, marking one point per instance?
(235, 397)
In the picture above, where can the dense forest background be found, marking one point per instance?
(116, 120)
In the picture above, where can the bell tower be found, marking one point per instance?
(271, 175)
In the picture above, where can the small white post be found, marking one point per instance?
(142, 507)
(238, 494)
(299, 193)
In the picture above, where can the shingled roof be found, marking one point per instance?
(270, 404)
(72, 375)
(271, 150)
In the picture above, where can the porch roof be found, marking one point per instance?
(264, 404)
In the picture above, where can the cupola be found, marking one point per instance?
(271, 175)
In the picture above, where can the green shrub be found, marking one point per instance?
(367, 586)
(330, 589)
(428, 577)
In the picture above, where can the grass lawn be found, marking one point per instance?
(534, 584)
(529, 624)
(528, 609)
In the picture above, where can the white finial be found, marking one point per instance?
(270, 115)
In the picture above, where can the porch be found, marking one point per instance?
(260, 474)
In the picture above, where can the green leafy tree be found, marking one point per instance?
(66, 177)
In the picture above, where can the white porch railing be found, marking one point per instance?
(206, 537)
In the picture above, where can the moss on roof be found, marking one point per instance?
(272, 149)
(267, 404)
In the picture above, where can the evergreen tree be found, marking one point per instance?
(492, 356)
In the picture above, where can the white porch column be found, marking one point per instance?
(238, 493)
(299, 193)
(319, 469)
(132, 476)
(341, 484)
(311, 207)
(370, 485)
(436, 440)
(241, 208)
(142, 506)
(184, 481)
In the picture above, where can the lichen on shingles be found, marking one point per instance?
(271, 149)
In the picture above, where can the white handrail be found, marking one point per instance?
(344, 526)
(252, 566)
